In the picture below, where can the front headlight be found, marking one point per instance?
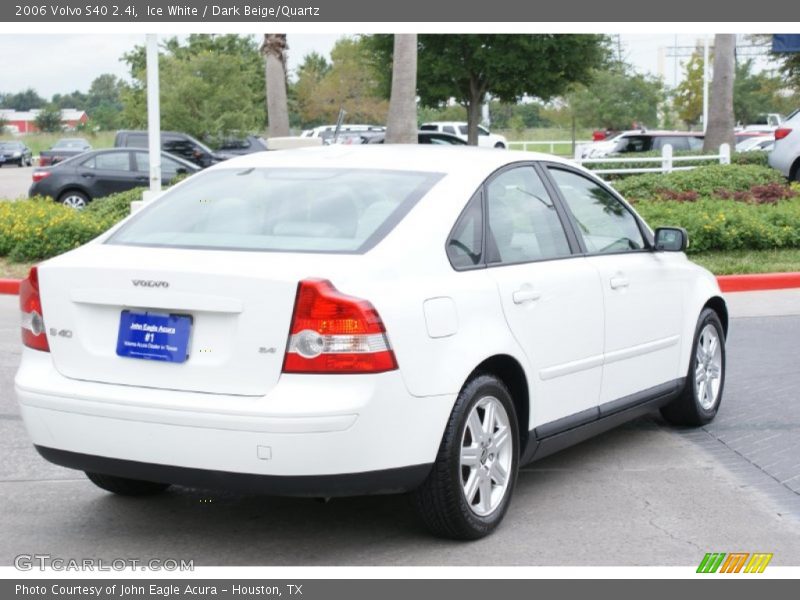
(17, 154)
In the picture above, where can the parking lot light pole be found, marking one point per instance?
(153, 116)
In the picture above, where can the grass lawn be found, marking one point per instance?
(719, 263)
(749, 261)
(43, 141)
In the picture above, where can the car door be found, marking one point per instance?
(107, 173)
(642, 290)
(551, 297)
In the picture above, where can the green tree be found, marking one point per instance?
(304, 92)
(472, 67)
(350, 83)
(755, 94)
(616, 99)
(211, 86)
(25, 100)
(688, 96)
(49, 119)
(76, 99)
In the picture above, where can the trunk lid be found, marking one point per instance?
(240, 304)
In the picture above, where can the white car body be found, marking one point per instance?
(587, 339)
(762, 143)
(785, 155)
(486, 139)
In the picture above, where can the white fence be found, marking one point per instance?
(666, 162)
(539, 146)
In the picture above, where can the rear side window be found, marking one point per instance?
(287, 210)
(465, 246)
(448, 129)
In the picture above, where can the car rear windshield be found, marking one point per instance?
(281, 210)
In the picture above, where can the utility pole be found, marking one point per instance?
(153, 116)
(705, 83)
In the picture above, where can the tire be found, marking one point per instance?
(696, 405)
(126, 487)
(500, 145)
(74, 199)
(441, 500)
(21, 163)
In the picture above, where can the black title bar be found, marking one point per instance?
(363, 11)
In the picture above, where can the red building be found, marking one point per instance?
(25, 121)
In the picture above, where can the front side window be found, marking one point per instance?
(523, 220)
(448, 129)
(604, 223)
(279, 209)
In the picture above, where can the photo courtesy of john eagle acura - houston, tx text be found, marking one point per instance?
(351, 320)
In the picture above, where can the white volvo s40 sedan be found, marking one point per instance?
(357, 320)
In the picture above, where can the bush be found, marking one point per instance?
(705, 181)
(718, 224)
(115, 207)
(38, 228)
(755, 157)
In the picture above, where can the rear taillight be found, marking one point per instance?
(782, 133)
(30, 304)
(335, 333)
(39, 175)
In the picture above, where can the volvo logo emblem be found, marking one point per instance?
(150, 283)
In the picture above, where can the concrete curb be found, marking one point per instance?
(9, 286)
(727, 283)
(758, 281)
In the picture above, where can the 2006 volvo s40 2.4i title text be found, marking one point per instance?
(355, 320)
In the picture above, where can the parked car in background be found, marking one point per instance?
(243, 330)
(486, 139)
(629, 142)
(763, 143)
(174, 142)
(785, 155)
(424, 137)
(15, 153)
(327, 131)
(62, 150)
(245, 145)
(77, 181)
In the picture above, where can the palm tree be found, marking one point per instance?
(720, 105)
(401, 126)
(274, 50)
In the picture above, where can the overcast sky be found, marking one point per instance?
(63, 63)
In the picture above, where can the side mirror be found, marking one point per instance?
(671, 239)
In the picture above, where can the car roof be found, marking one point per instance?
(395, 157)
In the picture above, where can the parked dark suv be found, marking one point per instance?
(174, 142)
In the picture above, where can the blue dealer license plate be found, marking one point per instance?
(154, 336)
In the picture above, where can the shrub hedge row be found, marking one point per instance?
(722, 207)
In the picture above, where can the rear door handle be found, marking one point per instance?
(525, 295)
(619, 282)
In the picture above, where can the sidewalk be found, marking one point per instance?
(772, 303)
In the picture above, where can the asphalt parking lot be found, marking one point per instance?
(645, 494)
(14, 182)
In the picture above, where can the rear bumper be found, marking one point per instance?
(388, 481)
(311, 435)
